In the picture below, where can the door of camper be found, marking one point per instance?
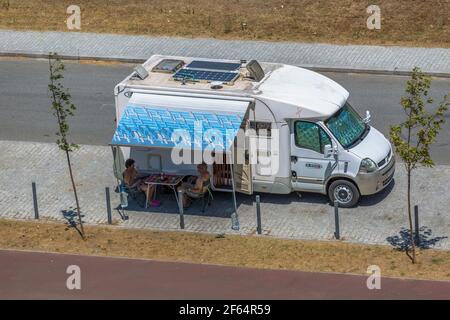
(223, 178)
(310, 166)
(242, 169)
(238, 161)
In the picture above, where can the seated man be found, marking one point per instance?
(131, 180)
(195, 185)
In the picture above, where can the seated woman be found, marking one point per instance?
(131, 180)
(195, 185)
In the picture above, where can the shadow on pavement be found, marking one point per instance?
(402, 241)
(222, 205)
(71, 217)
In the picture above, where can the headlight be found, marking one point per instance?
(367, 165)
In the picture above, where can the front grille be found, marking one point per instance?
(388, 168)
(386, 159)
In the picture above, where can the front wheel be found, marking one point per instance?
(345, 192)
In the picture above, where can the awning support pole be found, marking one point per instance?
(114, 163)
(234, 215)
(122, 195)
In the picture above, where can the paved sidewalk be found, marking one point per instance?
(33, 275)
(378, 219)
(349, 58)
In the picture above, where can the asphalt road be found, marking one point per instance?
(33, 275)
(25, 115)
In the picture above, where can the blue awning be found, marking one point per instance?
(162, 121)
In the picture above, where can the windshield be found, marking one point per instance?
(347, 126)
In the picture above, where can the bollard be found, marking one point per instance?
(258, 215)
(108, 205)
(180, 207)
(337, 234)
(35, 203)
(235, 221)
(416, 225)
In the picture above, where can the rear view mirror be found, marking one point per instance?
(328, 150)
(368, 117)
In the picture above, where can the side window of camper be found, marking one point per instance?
(309, 135)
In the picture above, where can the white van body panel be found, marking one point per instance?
(374, 146)
(304, 93)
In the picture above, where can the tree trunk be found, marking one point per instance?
(75, 194)
(409, 169)
(411, 231)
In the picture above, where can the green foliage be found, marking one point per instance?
(62, 106)
(412, 138)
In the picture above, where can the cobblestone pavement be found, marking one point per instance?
(326, 56)
(287, 216)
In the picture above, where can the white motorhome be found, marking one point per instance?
(321, 143)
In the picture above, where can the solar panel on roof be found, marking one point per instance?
(214, 65)
(205, 75)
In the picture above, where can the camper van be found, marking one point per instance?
(308, 136)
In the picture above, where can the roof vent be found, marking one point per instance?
(168, 66)
(255, 70)
(141, 72)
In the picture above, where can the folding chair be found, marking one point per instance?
(131, 191)
(126, 191)
(206, 195)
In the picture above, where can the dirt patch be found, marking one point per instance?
(403, 22)
(247, 251)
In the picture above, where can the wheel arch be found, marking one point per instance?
(334, 178)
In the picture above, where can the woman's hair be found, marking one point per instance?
(129, 163)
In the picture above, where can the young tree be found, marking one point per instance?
(62, 108)
(412, 138)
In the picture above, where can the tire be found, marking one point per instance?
(345, 192)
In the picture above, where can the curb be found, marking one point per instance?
(44, 55)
